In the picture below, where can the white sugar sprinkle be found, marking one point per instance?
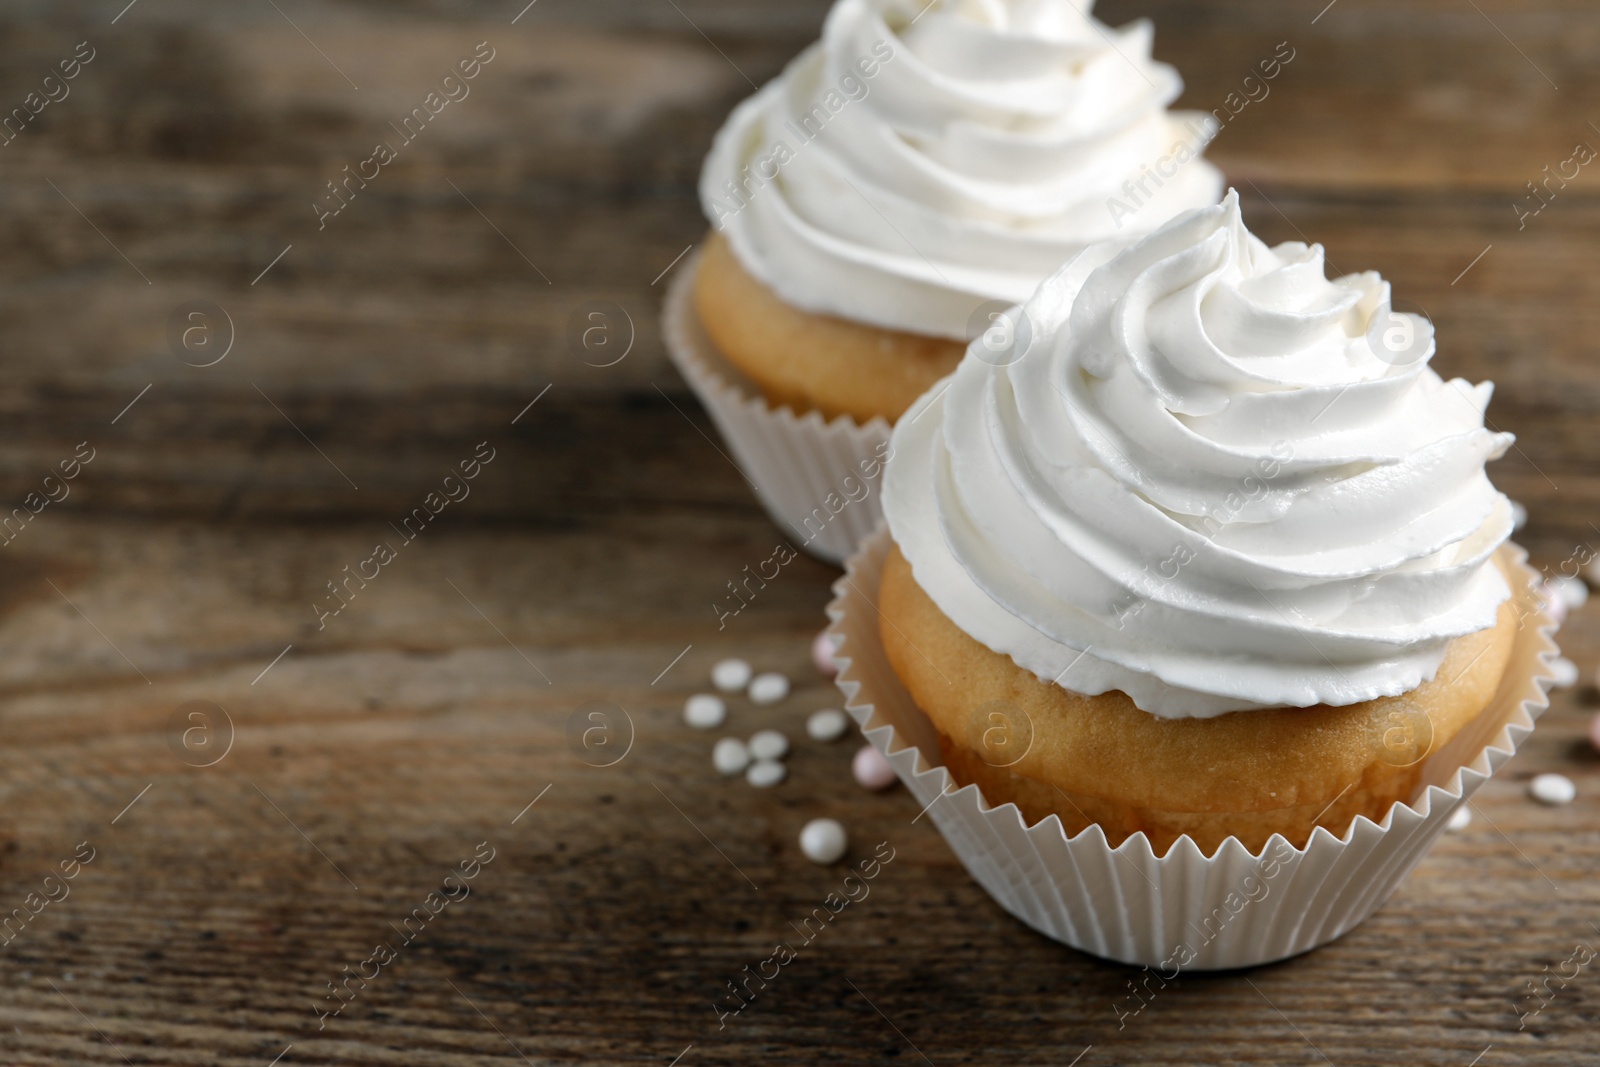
(829, 724)
(766, 773)
(824, 841)
(768, 745)
(1573, 590)
(769, 688)
(1553, 789)
(1460, 819)
(1565, 672)
(730, 756)
(704, 711)
(730, 675)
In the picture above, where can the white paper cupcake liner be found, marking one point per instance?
(808, 472)
(1126, 903)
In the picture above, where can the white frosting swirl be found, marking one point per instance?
(1206, 482)
(929, 156)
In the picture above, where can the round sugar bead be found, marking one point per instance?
(766, 773)
(704, 711)
(768, 688)
(769, 745)
(730, 756)
(871, 769)
(1575, 591)
(824, 841)
(730, 675)
(1552, 789)
(822, 654)
(829, 724)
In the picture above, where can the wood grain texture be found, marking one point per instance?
(382, 749)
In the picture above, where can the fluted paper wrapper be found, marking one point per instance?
(1126, 903)
(803, 467)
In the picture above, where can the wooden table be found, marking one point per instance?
(352, 766)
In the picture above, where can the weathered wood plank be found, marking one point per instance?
(419, 721)
(410, 730)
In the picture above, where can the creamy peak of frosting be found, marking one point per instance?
(927, 158)
(1199, 472)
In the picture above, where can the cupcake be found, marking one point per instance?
(1205, 570)
(903, 183)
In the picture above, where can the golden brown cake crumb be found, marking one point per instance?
(813, 362)
(1101, 759)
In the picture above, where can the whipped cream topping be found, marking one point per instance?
(1206, 476)
(926, 158)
